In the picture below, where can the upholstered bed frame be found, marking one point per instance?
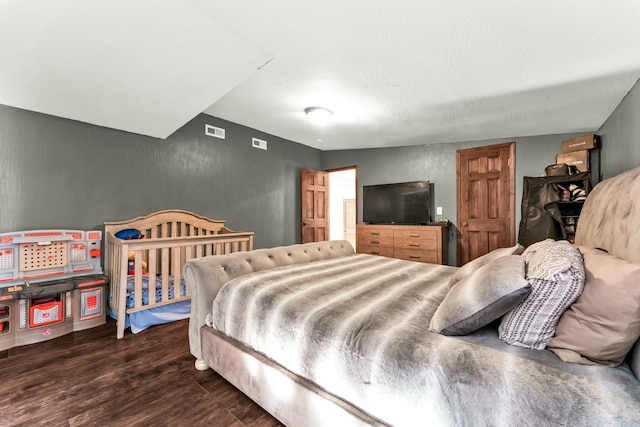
(610, 220)
(288, 397)
(230, 267)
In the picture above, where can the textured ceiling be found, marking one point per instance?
(394, 73)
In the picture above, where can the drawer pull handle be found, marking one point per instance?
(414, 235)
(414, 257)
(375, 242)
(375, 233)
(374, 253)
(415, 245)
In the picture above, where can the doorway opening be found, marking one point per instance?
(343, 207)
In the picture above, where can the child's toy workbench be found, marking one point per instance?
(51, 283)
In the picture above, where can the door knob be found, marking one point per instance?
(464, 223)
(304, 223)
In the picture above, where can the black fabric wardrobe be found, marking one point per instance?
(542, 211)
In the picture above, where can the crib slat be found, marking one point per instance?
(184, 232)
(154, 233)
(152, 266)
(137, 297)
(165, 273)
(177, 260)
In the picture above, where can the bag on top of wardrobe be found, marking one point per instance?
(561, 169)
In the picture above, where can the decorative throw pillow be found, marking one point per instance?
(538, 248)
(602, 325)
(555, 271)
(475, 264)
(482, 297)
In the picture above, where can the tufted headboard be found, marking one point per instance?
(610, 220)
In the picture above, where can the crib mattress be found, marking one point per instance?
(143, 319)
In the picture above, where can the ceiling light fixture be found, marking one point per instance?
(318, 113)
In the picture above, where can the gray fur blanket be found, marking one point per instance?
(358, 326)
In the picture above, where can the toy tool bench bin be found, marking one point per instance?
(51, 283)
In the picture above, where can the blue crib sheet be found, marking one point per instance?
(145, 289)
(141, 320)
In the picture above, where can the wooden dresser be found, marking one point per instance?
(423, 243)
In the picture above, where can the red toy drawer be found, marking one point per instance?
(45, 313)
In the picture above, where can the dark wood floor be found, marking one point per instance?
(90, 378)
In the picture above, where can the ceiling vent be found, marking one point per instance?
(214, 131)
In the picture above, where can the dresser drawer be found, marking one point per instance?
(423, 243)
(376, 250)
(375, 237)
(411, 238)
(416, 255)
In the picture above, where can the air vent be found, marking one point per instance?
(259, 143)
(214, 131)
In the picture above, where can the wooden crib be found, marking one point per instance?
(171, 237)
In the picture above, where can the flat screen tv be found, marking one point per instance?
(399, 203)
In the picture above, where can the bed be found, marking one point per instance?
(144, 257)
(320, 336)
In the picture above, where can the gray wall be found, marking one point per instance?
(621, 136)
(58, 173)
(437, 163)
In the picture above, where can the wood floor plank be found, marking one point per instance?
(91, 378)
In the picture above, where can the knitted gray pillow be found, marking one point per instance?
(555, 271)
